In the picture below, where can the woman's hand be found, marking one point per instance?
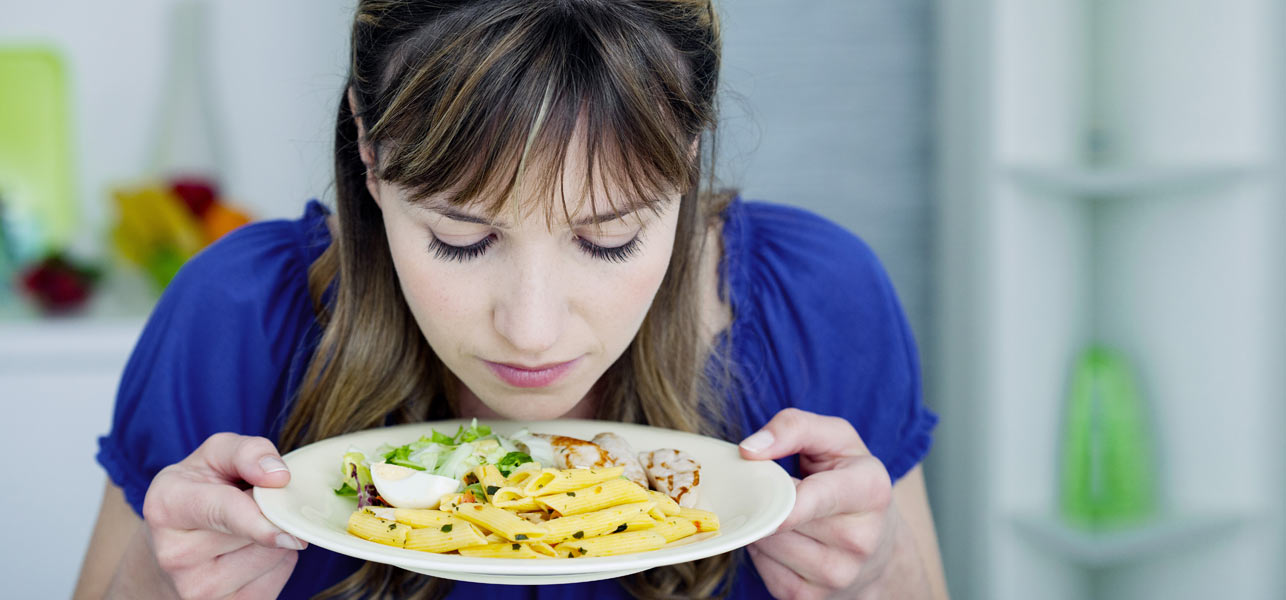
(207, 533)
(840, 536)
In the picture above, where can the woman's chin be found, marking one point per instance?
(535, 410)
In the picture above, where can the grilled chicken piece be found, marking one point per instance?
(570, 452)
(622, 455)
(673, 473)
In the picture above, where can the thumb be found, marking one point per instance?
(814, 437)
(233, 458)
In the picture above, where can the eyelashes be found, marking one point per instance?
(614, 254)
(459, 253)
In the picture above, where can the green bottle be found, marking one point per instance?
(1108, 477)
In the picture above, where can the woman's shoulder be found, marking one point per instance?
(799, 258)
(261, 251)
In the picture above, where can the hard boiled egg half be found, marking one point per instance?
(404, 487)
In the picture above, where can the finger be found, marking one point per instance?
(225, 509)
(812, 561)
(178, 549)
(814, 437)
(269, 584)
(229, 573)
(235, 458)
(780, 580)
(857, 485)
(859, 535)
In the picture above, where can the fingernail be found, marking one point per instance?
(758, 442)
(288, 542)
(272, 464)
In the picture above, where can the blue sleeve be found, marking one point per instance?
(214, 355)
(825, 332)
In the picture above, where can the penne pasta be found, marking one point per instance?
(675, 528)
(366, 525)
(557, 481)
(704, 520)
(420, 517)
(604, 495)
(501, 521)
(445, 538)
(512, 498)
(593, 524)
(510, 550)
(664, 503)
(611, 545)
(489, 476)
(519, 476)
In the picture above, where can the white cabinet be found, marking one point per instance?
(58, 380)
(1112, 173)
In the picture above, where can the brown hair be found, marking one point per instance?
(456, 97)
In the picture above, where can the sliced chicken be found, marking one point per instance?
(622, 455)
(673, 473)
(570, 452)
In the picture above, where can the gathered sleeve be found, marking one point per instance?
(817, 326)
(214, 356)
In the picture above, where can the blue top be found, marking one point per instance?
(817, 327)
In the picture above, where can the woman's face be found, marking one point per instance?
(528, 312)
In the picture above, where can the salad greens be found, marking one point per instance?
(439, 454)
(511, 461)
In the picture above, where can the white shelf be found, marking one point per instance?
(1097, 549)
(1123, 182)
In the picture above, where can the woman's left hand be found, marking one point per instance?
(839, 537)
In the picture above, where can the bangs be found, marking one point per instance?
(523, 89)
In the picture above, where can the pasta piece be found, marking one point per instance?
(509, 550)
(611, 545)
(703, 519)
(501, 521)
(365, 525)
(414, 517)
(489, 476)
(592, 524)
(664, 503)
(640, 522)
(554, 481)
(513, 498)
(519, 476)
(450, 536)
(590, 499)
(675, 528)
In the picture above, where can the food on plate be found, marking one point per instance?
(674, 473)
(528, 495)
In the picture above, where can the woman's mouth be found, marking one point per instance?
(534, 376)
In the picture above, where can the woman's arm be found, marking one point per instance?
(915, 552)
(116, 528)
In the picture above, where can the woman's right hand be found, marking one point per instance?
(205, 530)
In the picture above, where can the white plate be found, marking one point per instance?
(751, 499)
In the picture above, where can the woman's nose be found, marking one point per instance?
(531, 314)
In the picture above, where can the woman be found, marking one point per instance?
(521, 233)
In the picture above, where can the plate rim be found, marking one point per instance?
(358, 548)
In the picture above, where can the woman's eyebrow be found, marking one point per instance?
(458, 215)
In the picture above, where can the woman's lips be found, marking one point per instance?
(531, 377)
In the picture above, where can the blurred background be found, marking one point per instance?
(1079, 201)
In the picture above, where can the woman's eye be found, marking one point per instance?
(616, 254)
(459, 253)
